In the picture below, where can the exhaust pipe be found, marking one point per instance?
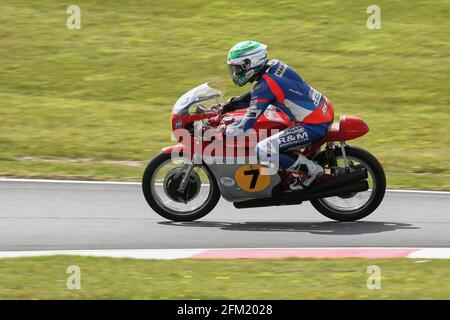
(339, 181)
(353, 188)
(339, 185)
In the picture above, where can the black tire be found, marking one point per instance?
(379, 180)
(213, 197)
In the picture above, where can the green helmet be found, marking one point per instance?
(245, 60)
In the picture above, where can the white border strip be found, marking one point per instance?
(169, 254)
(139, 183)
(70, 181)
(431, 253)
(446, 193)
(160, 254)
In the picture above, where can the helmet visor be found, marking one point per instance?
(237, 69)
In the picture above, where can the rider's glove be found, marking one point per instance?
(228, 106)
(238, 102)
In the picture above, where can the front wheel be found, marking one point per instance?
(354, 206)
(161, 182)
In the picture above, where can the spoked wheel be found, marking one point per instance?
(353, 206)
(160, 184)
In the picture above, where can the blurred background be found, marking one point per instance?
(95, 103)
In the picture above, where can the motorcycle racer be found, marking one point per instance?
(279, 85)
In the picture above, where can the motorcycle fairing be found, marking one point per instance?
(231, 186)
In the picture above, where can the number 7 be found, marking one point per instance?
(255, 174)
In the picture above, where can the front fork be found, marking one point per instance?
(187, 168)
(196, 158)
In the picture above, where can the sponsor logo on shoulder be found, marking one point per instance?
(325, 108)
(281, 70)
(315, 96)
(270, 65)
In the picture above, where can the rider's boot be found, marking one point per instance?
(314, 171)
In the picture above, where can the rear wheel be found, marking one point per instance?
(353, 206)
(160, 184)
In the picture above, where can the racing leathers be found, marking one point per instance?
(310, 111)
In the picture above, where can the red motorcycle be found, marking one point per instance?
(185, 181)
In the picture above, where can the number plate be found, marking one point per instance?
(250, 178)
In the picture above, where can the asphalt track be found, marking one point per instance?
(63, 216)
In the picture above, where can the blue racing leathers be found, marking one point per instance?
(309, 110)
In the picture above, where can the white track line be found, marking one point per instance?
(431, 253)
(169, 254)
(160, 254)
(139, 183)
(71, 181)
(446, 193)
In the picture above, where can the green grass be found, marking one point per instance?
(105, 92)
(108, 278)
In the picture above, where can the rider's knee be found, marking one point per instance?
(265, 150)
(261, 150)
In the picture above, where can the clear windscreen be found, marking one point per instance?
(205, 95)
